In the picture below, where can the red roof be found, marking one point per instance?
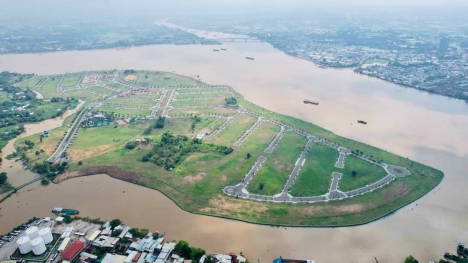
(73, 250)
(135, 259)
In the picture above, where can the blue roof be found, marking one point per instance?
(278, 260)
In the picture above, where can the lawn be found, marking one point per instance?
(316, 174)
(203, 95)
(273, 174)
(101, 90)
(71, 81)
(49, 88)
(207, 102)
(83, 95)
(234, 130)
(366, 173)
(217, 111)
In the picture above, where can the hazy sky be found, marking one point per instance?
(46, 9)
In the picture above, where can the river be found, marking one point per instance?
(428, 128)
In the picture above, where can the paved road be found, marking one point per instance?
(275, 141)
(336, 178)
(239, 189)
(341, 158)
(169, 101)
(371, 187)
(230, 119)
(297, 167)
(247, 133)
(397, 171)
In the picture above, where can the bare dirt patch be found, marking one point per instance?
(130, 77)
(319, 210)
(396, 190)
(86, 153)
(194, 178)
(221, 205)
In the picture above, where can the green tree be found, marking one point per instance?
(184, 249)
(196, 253)
(3, 178)
(44, 182)
(37, 153)
(353, 173)
(67, 219)
(248, 155)
(411, 259)
(115, 222)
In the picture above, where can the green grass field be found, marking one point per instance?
(234, 130)
(135, 103)
(125, 112)
(30, 83)
(49, 88)
(198, 102)
(102, 90)
(118, 86)
(202, 90)
(366, 173)
(217, 111)
(165, 79)
(71, 81)
(203, 95)
(316, 174)
(273, 174)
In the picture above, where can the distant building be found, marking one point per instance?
(73, 250)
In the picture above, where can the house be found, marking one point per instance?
(110, 258)
(73, 250)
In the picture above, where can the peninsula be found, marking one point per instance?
(214, 153)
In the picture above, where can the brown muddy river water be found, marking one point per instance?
(427, 128)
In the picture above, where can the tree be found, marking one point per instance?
(353, 173)
(44, 182)
(261, 186)
(115, 222)
(80, 163)
(183, 248)
(37, 153)
(116, 233)
(3, 178)
(411, 259)
(67, 219)
(196, 253)
(248, 155)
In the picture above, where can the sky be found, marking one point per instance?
(50, 9)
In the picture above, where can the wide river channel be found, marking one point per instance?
(427, 128)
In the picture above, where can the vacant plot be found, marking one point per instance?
(316, 174)
(217, 111)
(274, 173)
(125, 112)
(117, 86)
(152, 96)
(166, 79)
(49, 88)
(202, 90)
(30, 83)
(205, 95)
(83, 95)
(234, 130)
(71, 81)
(101, 90)
(130, 102)
(130, 78)
(366, 173)
(207, 102)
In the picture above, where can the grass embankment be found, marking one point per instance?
(132, 103)
(71, 81)
(316, 174)
(49, 88)
(210, 102)
(213, 90)
(30, 83)
(165, 79)
(101, 90)
(273, 174)
(118, 86)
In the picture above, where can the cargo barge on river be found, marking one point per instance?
(362, 122)
(311, 102)
(251, 58)
(64, 211)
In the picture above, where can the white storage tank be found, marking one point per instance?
(38, 246)
(24, 245)
(32, 232)
(46, 235)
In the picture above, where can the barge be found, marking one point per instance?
(64, 211)
(362, 122)
(251, 58)
(223, 49)
(284, 260)
(216, 50)
(311, 102)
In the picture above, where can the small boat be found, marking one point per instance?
(216, 50)
(362, 122)
(251, 58)
(223, 49)
(311, 102)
